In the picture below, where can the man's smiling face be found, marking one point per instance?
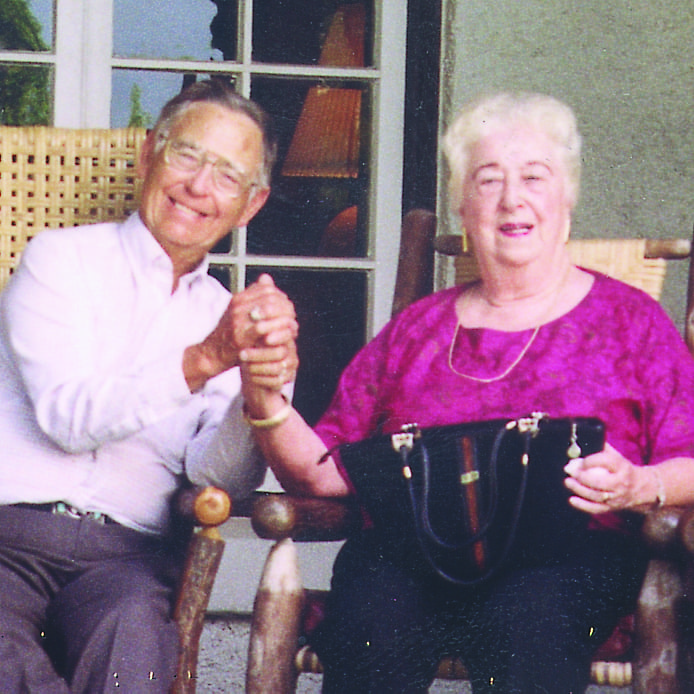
(185, 211)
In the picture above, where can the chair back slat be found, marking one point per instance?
(623, 259)
(59, 177)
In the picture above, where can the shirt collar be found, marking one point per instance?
(149, 258)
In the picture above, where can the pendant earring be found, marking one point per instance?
(464, 241)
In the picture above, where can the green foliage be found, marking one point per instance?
(24, 95)
(139, 118)
(19, 29)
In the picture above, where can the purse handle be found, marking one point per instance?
(420, 512)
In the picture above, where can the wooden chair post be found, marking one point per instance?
(276, 624)
(208, 507)
(689, 317)
(415, 276)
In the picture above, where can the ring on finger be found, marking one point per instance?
(256, 314)
(606, 496)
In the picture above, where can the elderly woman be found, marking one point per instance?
(534, 333)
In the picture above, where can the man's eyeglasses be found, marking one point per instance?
(226, 178)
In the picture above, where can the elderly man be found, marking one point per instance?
(119, 379)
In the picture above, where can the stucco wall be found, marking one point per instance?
(627, 70)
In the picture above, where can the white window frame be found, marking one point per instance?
(83, 63)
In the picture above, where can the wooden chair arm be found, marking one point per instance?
(670, 249)
(304, 519)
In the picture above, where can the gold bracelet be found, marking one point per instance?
(273, 421)
(660, 497)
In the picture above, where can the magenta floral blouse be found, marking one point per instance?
(616, 355)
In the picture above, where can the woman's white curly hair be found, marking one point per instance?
(481, 116)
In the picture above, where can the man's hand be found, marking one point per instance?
(260, 317)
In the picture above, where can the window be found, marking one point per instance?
(331, 73)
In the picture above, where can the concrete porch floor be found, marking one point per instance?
(222, 663)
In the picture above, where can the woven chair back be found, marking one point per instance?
(623, 259)
(58, 177)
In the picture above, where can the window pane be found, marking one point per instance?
(25, 95)
(174, 29)
(324, 32)
(330, 307)
(138, 95)
(317, 206)
(26, 25)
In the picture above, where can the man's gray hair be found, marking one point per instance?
(217, 91)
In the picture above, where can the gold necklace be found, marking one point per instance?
(513, 365)
(520, 356)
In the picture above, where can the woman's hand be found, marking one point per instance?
(261, 316)
(607, 481)
(268, 367)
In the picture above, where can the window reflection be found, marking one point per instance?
(26, 25)
(281, 34)
(321, 178)
(330, 306)
(25, 95)
(138, 95)
(171, 29)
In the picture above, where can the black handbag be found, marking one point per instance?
(467, 499)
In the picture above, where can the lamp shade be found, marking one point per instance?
(326, 139)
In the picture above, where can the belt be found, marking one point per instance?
(60, 508)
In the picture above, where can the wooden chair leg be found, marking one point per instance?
(275, 625)
(655, 666)
(204, 556)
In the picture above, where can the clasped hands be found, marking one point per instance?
(258, 328)
(607, 481)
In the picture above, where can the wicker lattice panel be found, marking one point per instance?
(623, 259)
(55, 177)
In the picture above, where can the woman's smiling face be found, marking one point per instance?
(515, 206)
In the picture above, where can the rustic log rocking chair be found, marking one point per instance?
(53, 177)
(659, 659)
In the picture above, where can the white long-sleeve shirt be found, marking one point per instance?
(94, 407)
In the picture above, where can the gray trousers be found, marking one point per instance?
(84, 607)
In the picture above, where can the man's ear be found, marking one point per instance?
(254, 205)
(144, 161)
